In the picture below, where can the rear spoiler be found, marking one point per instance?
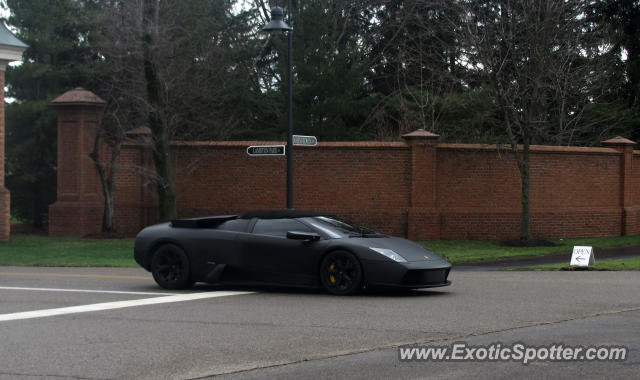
(201, 222)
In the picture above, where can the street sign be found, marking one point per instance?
(582, 256)
(305, 140)
(266, 150)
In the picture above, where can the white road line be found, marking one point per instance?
(86, 291)
(73, 275)
(115, 305)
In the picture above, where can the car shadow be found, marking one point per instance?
(375, 292)
(406, 292)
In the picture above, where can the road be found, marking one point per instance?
(116, 323)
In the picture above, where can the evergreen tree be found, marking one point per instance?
(58, 59)
(617, 22)
(330, 64)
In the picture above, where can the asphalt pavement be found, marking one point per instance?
(116, 323)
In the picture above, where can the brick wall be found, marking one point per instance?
(574, 192)
(417, 187)
(361, 181)
(633, 212)
(5, 196)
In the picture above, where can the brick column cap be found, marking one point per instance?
(420, 134)
(78, 97)
(140, 135)
(617, 141)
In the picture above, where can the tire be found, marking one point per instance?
(341, 273)
(170, 267)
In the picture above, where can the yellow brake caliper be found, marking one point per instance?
(332, 278)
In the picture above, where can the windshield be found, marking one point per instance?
(337, 228)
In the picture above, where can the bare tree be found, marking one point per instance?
(426, 67)
(416, 54)
(107, 171)
(171, 70)
(532, 55)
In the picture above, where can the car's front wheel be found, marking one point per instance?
(341, 273)
(170, 267)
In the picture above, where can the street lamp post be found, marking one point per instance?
(277, 24)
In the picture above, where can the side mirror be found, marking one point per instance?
(299, 235)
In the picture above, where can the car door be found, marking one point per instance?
(211, 248)
(214, 247)
(268, 256)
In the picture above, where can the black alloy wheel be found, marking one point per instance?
(341, 273)
(170, 267)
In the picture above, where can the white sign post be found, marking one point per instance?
(582, 256)
(266, 150)
(305, 140)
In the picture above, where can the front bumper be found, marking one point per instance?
(140, 250)
(413, 275)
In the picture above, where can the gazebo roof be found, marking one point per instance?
(619, 140)
(420, 133)
(7, 38)
(78, 96)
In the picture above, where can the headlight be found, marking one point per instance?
(390, 254)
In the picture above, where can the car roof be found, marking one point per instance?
(282, 214)
(201, 222)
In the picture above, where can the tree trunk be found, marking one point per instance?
(164, 172)
(159, 130)
(525, 174)
(107, 216)
(106, 181)
(525, 229)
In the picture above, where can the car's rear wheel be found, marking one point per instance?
(170, 267)
(341, 273)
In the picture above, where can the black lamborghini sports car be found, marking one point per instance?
(289, 248)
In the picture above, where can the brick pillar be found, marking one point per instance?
(423, 217)
(629, 212)
(5, 197)
(79, 205)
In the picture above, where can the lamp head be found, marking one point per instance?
(277, 23)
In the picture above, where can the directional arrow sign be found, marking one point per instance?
(266, 150)
(582, 256)
(305, 140)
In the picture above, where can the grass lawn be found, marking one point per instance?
(632, 263)
(460, 251)
(33, 250)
